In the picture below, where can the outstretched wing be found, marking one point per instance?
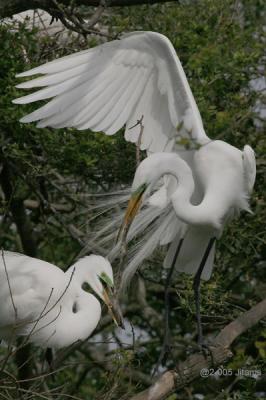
(115, 84)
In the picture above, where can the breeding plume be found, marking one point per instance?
(226, 176)
(204, 182)
(49, 307)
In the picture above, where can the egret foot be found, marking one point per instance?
(201, 347)
(206, 350)
(163, 357)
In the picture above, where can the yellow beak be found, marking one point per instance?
(131, 211)
(113, 308)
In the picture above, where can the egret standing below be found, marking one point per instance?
(49, 307)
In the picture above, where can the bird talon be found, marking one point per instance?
(206, 349)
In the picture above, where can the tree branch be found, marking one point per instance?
(190, 369)
(35, 204)
(11, 7)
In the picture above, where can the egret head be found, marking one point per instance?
(98, 274)
(149, 171)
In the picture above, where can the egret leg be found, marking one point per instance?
(166, 346)
(196, 287)
(49, 356)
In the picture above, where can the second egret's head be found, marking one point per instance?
(96, 271)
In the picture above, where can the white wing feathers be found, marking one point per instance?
(115, 84)
(249, 164)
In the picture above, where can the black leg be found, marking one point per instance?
(166, 341)
(196, 287)
(49, 356)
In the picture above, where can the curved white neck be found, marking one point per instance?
(201, 214)
(77, 320)
(73, 318)
(72, 312)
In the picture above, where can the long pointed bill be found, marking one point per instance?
(113, 307)
(131, 211)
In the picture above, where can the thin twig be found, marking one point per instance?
(9, 285)
(138, 144)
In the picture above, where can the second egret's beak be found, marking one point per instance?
(131, 211)
(113, 307)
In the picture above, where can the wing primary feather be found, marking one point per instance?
(63, 107)
(129, 100)
(102, 105)
(72, 60)
(63, 87)
(53, 79)
(132, 130)
(91, 103)
(117, 105)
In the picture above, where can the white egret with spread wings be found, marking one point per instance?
(141, 78)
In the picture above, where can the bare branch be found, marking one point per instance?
(35, 204)
(11, 7)
(75, 20)
(241, 324)
(190, 369)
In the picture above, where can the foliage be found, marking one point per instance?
(221, 48)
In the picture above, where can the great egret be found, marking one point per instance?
(226, 176)
(118, 83)
(141, 78)
(49, 307)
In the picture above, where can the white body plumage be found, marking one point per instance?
(222, 183)
(49, 307)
